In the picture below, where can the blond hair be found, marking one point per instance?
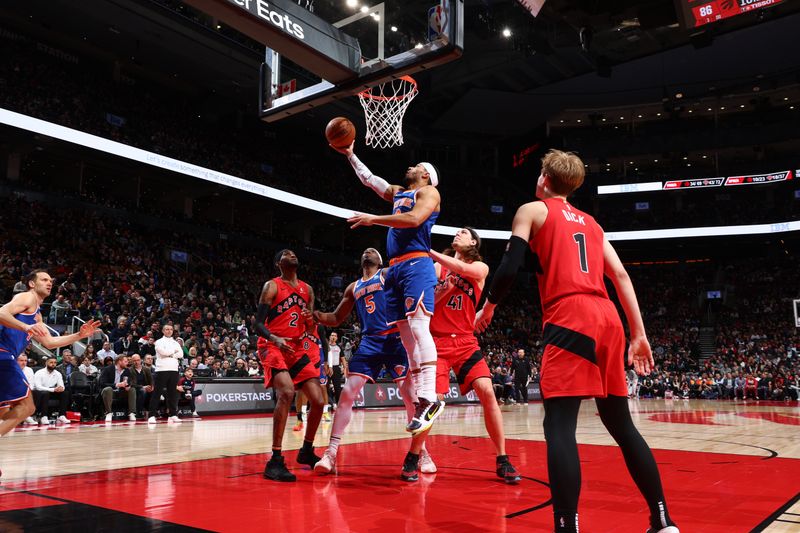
(565, 169)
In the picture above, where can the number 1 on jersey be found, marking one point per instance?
(580, 240)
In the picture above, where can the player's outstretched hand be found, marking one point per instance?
(641, 356)
(280, 342)
(348, 151)
(89, 328)
(361, 219)
(37, 329)
(483, 318)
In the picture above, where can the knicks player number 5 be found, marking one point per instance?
(580, 240)
(369, 304)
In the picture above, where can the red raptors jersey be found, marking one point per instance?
(570, 249)
(455, 310)
(285, 318)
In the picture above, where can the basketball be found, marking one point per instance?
(340, 132)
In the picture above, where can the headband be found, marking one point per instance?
(433, 173)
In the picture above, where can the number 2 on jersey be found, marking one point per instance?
(580, 240)
(293, 320)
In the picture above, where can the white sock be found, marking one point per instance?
(304, 409)
(345, 411)
(333, 445)
(325, 409)
(427, 382)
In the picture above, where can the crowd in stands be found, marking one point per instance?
(118, 273)
(756, 344)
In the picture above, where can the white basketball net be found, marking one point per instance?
(384, 106)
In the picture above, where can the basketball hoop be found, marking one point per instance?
(384, 106)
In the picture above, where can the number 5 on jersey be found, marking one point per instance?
(369, 304)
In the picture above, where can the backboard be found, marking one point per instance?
(394, 38)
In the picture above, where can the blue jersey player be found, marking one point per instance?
(21, 321)
(410, 278)
(380, 347)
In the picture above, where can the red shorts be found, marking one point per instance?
(302, 365)
(463, 355)
(584, 352)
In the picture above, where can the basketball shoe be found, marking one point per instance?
(668, 529)
(298, 426)
(306, 456)
(426, 412)
(426, 464)
(410, 470)
(326, 465)
(276, 470)
(506, 471)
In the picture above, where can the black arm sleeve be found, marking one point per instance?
(507, 271)
(261, 318)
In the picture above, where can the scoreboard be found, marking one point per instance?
(698, 13)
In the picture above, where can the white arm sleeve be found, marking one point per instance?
(376, 183)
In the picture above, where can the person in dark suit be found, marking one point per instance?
(116, 381)
(67, 366)
(521, 368)
(142, 381)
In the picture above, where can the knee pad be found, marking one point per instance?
(407, 338)
(420, 325)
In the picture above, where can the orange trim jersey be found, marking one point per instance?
(569, 246)
(285, 317)
(455, 312)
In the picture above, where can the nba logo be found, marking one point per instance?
(439, 21)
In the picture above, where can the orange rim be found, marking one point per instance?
(367, 93)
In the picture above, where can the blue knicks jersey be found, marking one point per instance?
(13, 341)
(405, 240)
(371, 305)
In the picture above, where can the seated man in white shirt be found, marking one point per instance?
(107, 351)
(48, 383)
(22, 361)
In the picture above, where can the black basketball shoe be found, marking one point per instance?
(307, 457)
(276, 470)
(410, 470)
(507, 472)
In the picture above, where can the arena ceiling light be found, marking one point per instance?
(56, 131)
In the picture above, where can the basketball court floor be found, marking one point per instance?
(726, 467)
